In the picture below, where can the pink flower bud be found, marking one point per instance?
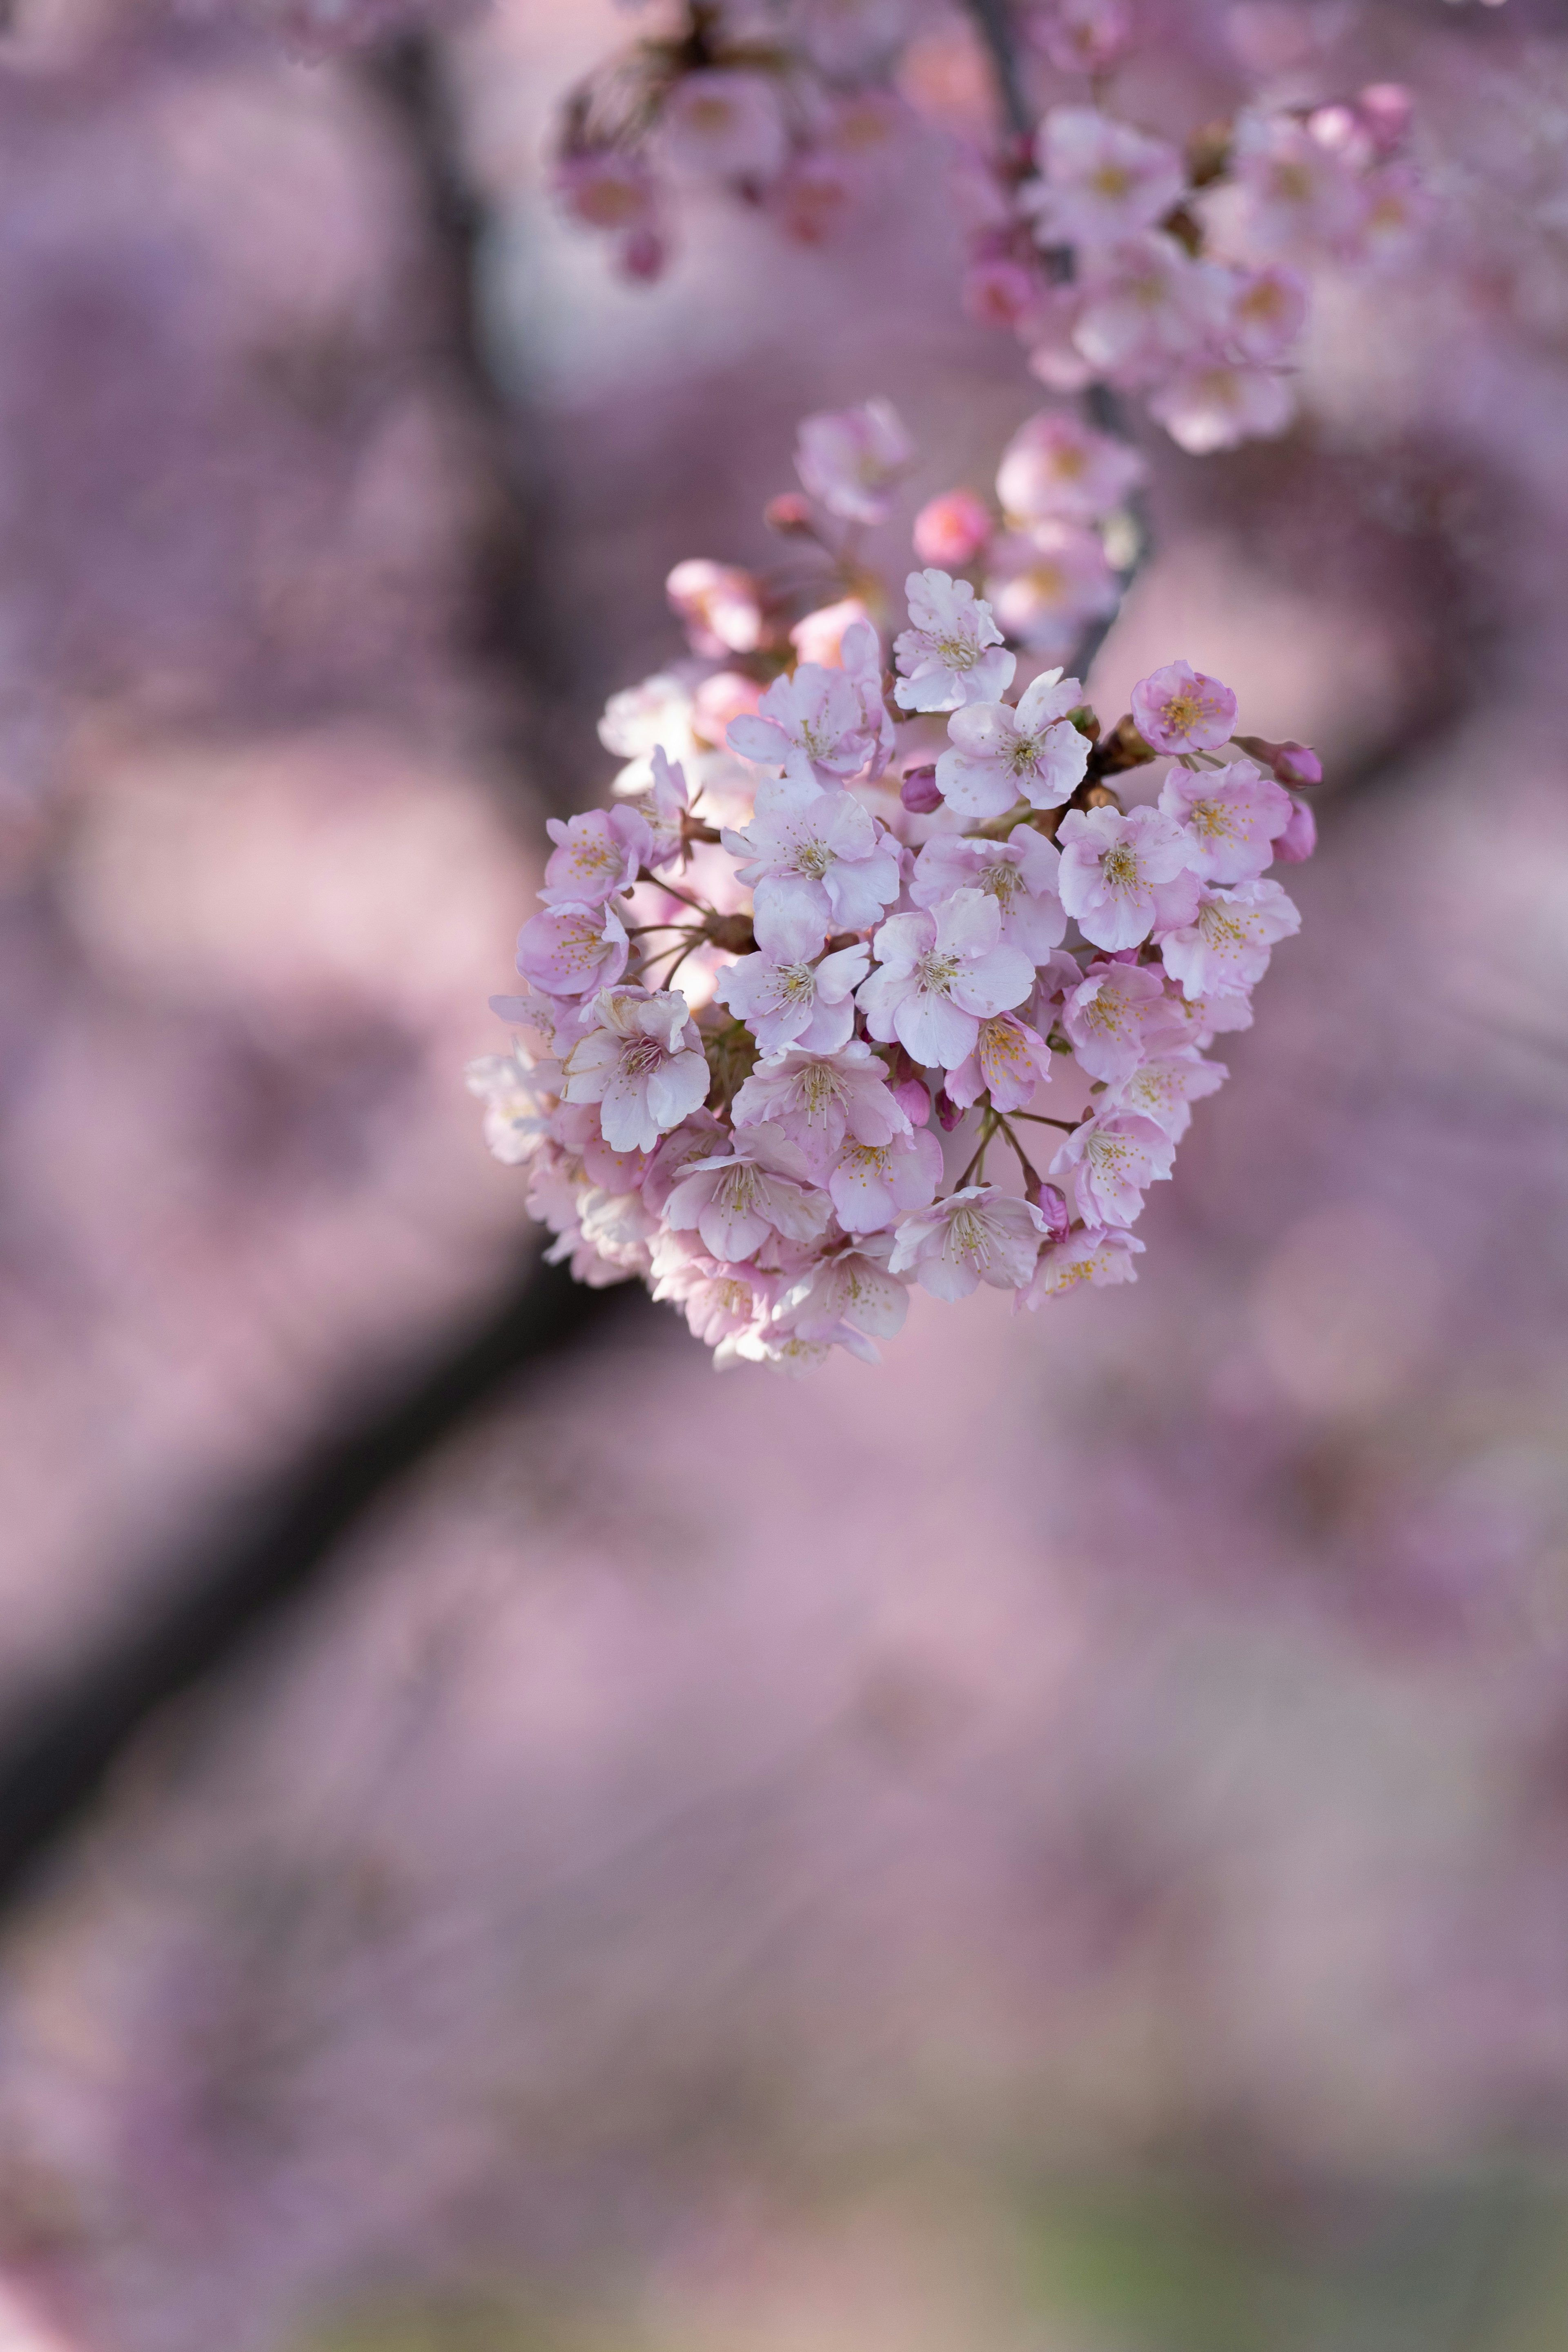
(1299, 838)
(1298, 763)
(1052, 1205)
(951, 529)
(643, 256)
(788, 512)
(913, 1099)
(947, 1112)
(1385, 108)
(919, 793)
(998, 293)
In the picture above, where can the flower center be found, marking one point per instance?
(969, 1235)
(958, 653)
(1110, 179)
(937, 972)
(813, 857)
(737, 1187)
(1119, 867)
(819, 1089)
(637, 1060)
(1002, 882)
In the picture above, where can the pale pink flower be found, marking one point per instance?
(814, 718)
(813, 193)
(816, 862)
(1020, 874)
(1219, 404)
(725, 124)
(1300, 193)
(727, 693)
(1178, 709)
(851, 459)
(795, 1004)
(850, 38)
(517, 1113)
(871, 1184)
(719, 1300)
(1046, 332)
(1207, 1017)
(819, 637)
(1112, 1159)
(1083, 36)
(951, 530)
(977, 1235)
(662, 809)
(619, 1226)
(1101, 180)
(996, 293)
(1117, 1018)
(697, 1138)
(1056, 467)
(737, 1198)
(573, 949)
(1043, 585)
(1397, 213)
(939, 975)
(1232, 815)
(860, 652)
(657, 712)
(596, 855)
(1090, 1255)
(853, 1287)
(1144, 305)
(1002, 754)
(1009, 1061)
(1164, 1089)
(1296, 844)
(1120, 876)
(788, 1352)
(718, 605)
(953, 651)
(818, 1099)
(1227, 949)
(606, 188)
(1267, 312)
(644, 1067)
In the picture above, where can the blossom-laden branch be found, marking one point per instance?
(902, 904)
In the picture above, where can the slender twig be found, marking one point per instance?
(994, 19)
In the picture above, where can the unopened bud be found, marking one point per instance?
(1299, 838)
(913, 1098)
(947, 1111)
(789, 512)
(1052, 1205)
(919, 793)
(1292, 763)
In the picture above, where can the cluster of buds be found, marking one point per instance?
(916, 933)
(793, 114)
(1178, 274)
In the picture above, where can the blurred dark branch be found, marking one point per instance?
(262, 1553)
(994, 19)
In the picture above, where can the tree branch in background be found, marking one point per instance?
(995, 21)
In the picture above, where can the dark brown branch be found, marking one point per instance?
(995, 21)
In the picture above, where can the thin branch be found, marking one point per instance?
(994, 19)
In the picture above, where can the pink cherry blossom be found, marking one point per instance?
(1219, 404)
(719, 1300)
(1143, 306)
(815, 861)
(1227, 949)
(1055, 468)
(1178, 709)
(819, 637)
(1267, 310)
(1397, 213)
(951, 530)
(1020, 874)
(1101, 180)
(572, 949)
(979, 1234)
(1232, 814)
(1083, 36)
(1001, 755)
(1300, 193)
(952, 653)
(789, 1004)
(644, 1067)
(997, 292)
(719, 604)
(1165, 1088)
(1009, 1061)
(818, 1099)
(662, 809)
(737, 1198)
(697, 1138)
(1045, 583)
(1120, 876)
(1091, 1255)
(851, 459)
(515, 1095)
(606, 188)
(1118, 1017)
(871, 1184)
(860, 653)
(1112, 1159)
(854, 1288)
(939, 975)
(596, 855)
(814, 718)
(1296, 844)
(726, 124)
(1047, 331)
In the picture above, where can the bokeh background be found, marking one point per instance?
(1059, 1844)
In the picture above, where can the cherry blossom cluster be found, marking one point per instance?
(789, 109)
(1180, 272)
(917, 932)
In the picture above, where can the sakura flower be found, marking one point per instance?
(1020, 874)
(853, 1287)
(1084, 35)
(719, 604)
(662, 809)
(725, 123)
(953, 529)
(1009, 1061)
(1112, 1159)
(618, 1226)
(860, 652)
(1296, 844)
(1164, 1089)
(813, 718)
(952, 653)
(977, 1235)
(572, 949)
(1117, 1018)
(851, 38)
(1056, 467)
(1090, 1255)
(788, 1352)
(1207, 1017)
(1120, 876)
(516, 1119)
(789, 1004)
(736, 1199)
(1144, 305)
(997, 292)
(1232, 814)
(719, 1300)
(851, 459)
(1047, 331)
(1044, 584)
(1001, 755)
(1300, 194)
(1177, 709)
(817, 1099)
(819, 637)
(1219, 404)
(697, 1137)
(1267, 310)
(816, 861)
(645, 1066)
(1396, 212)
(596, 855)
(939, 975)
(1228, 948)
(657, 713)
(606, 188)
(871, 1184)
(1101, 180)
